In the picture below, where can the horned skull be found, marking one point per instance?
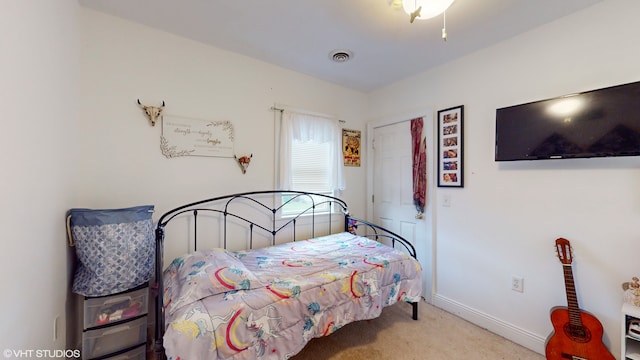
(244, 161)
(152, 112)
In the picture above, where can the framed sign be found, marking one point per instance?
(450, 147)
(351, 140)
(195, 137)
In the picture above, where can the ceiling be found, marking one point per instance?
(300, 34)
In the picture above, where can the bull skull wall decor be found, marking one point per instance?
(152, 112)
(244, 161)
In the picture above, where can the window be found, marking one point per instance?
(311, 166)
(309, 157)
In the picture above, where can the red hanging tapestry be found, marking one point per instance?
(419, 152)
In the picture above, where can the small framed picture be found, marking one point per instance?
(351, 140)
(450, 147)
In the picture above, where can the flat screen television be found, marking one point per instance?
(597, 123)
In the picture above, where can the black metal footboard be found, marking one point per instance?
(378, 233)
(375, 232)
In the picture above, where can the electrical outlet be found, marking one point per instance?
(517, 283)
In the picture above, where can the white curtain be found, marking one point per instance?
(304, 128)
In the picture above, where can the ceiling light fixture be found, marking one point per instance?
(425, 9)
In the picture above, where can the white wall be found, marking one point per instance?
(122, 161)
(38, 143)
(512, 212)
(506, 218)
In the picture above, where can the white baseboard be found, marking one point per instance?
(511, 332)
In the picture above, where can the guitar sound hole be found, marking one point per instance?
(577, 333)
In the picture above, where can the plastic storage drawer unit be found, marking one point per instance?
(104, 341)
(138, 353)
(109, 309)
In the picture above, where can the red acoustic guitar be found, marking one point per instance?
(576, 335)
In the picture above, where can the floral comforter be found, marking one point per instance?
(268, 303)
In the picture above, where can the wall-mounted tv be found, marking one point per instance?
(597, 123)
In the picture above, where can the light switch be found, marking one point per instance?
(446, 200)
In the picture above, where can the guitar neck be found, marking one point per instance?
(572, 298)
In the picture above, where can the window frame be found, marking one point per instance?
(285, 143)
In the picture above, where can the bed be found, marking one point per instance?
(267, 271)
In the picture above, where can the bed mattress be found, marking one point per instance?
(268, 303)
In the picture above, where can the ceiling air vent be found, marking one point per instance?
(340, 56)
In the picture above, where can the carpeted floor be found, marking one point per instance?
(394, 335)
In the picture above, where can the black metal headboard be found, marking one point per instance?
(260, 213)
(268, 202)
